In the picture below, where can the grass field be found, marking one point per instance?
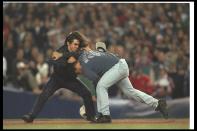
(82, 124)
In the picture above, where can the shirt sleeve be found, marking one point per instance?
(61, 62)
(91, 75)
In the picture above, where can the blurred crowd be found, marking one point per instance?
(152, 37)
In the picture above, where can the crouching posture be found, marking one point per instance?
(105, 70)
(63, 77)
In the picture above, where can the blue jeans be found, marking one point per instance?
(118, 75)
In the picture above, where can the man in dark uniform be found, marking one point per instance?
(64, 77)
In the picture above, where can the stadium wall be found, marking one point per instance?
(16, 104)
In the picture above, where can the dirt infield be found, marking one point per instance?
(82, 124)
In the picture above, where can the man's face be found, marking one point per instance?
(73, 46)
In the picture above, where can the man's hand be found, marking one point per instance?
(72, 59)
(56, 55)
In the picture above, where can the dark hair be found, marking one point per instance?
(77, 35)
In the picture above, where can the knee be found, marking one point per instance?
(100, 87)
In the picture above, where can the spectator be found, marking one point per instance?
(4, 70)
(147, 35)
(25, 78)
(141, 82)
(9, 53)
(43, 71)
(186, 89)
(32, 63)
(164, 86)
(27, 45)
(19, 57)
(40, 34)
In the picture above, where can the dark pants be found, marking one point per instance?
(56, 83)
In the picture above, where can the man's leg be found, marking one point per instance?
(158, 105)
(111, 77)
(82, 91)
(139, 96)
(50, 87)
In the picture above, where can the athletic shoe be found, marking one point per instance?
(100, 118)
(162, 107)
(28, 118)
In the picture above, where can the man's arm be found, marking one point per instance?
(56, 55)
(62, 61)
(59, 52)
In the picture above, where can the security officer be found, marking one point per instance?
(64, 77)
